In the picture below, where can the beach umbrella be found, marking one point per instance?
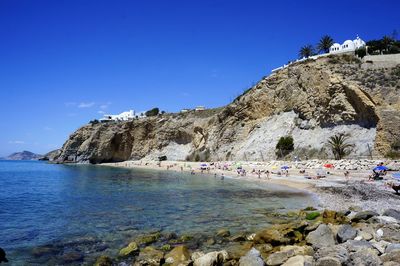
(380, 168)
(204, 164)
(328, 165)
(274, 167)
(285, 167)
(238, 165)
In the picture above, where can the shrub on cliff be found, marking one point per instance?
(153, 112)
(284, 146)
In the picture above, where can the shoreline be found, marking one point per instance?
(333, 192)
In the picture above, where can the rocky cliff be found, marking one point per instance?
(311, 101)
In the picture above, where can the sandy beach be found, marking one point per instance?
(334, 191)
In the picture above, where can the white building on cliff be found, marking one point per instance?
(347, 46)
(124, 116)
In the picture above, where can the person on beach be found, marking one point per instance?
(268, 174)
(222, 177)
(259, 173)
(192, 172)
(347, 175)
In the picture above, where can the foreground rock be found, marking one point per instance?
(322, 237)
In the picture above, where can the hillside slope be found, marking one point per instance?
(24, 155)
(310, 100)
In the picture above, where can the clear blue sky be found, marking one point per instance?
(62, 63)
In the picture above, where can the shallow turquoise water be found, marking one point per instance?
(96, 210)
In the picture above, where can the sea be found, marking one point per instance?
(54, 214)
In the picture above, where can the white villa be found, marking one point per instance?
(124, 116)
(347, 46)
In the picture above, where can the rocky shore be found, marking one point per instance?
(363, 229)
(306, 237)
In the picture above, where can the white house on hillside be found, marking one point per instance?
(124, 116)
(347, 46)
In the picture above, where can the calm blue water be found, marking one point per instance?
(96, 210)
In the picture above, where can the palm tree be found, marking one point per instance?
(324, 44)
(386, 41)
(306, 51)
(339, 146)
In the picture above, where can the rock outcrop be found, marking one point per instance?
(315, 98)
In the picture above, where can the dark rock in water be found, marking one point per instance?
(3, 256)
(346, 232)
(339, 252)
(391, 247)
(238, 237)
(47, 250)
(223, 233)
(169, 235)
(322, 237)
(103, 261)
(365, 257)
(148, 239)
(72, 256)
(364, 215)
(328, 261)
(392, 213)
(131, 249)
(150, 257)
(252, 258)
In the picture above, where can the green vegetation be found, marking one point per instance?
(94, 122)
(324, 44)
(312, 215)
(339, 146)
(386, 45)
(153, 112)
(284, 146)
(306, 51)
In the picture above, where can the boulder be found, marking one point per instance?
(391, 233)
(339, 252)
(279, 257)
(391, 247)
(322, 237)
(346, 232)
(299, 250)
(299, 260)
(212, 258)
(196, 255)
(380, 246)
(280, 234)
(177, 255)
(149, 257)
(356, 245)
(364, 215)
(238, 237)
(103, 261)
(223, 233)
(365, 257)
(383, 220)
(252, 258)
(392, 256)
(328, 261)
(392, 213)
(131, 249)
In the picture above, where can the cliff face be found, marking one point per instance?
(310, 100)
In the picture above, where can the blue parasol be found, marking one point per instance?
(285, 167)
(380, 168)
